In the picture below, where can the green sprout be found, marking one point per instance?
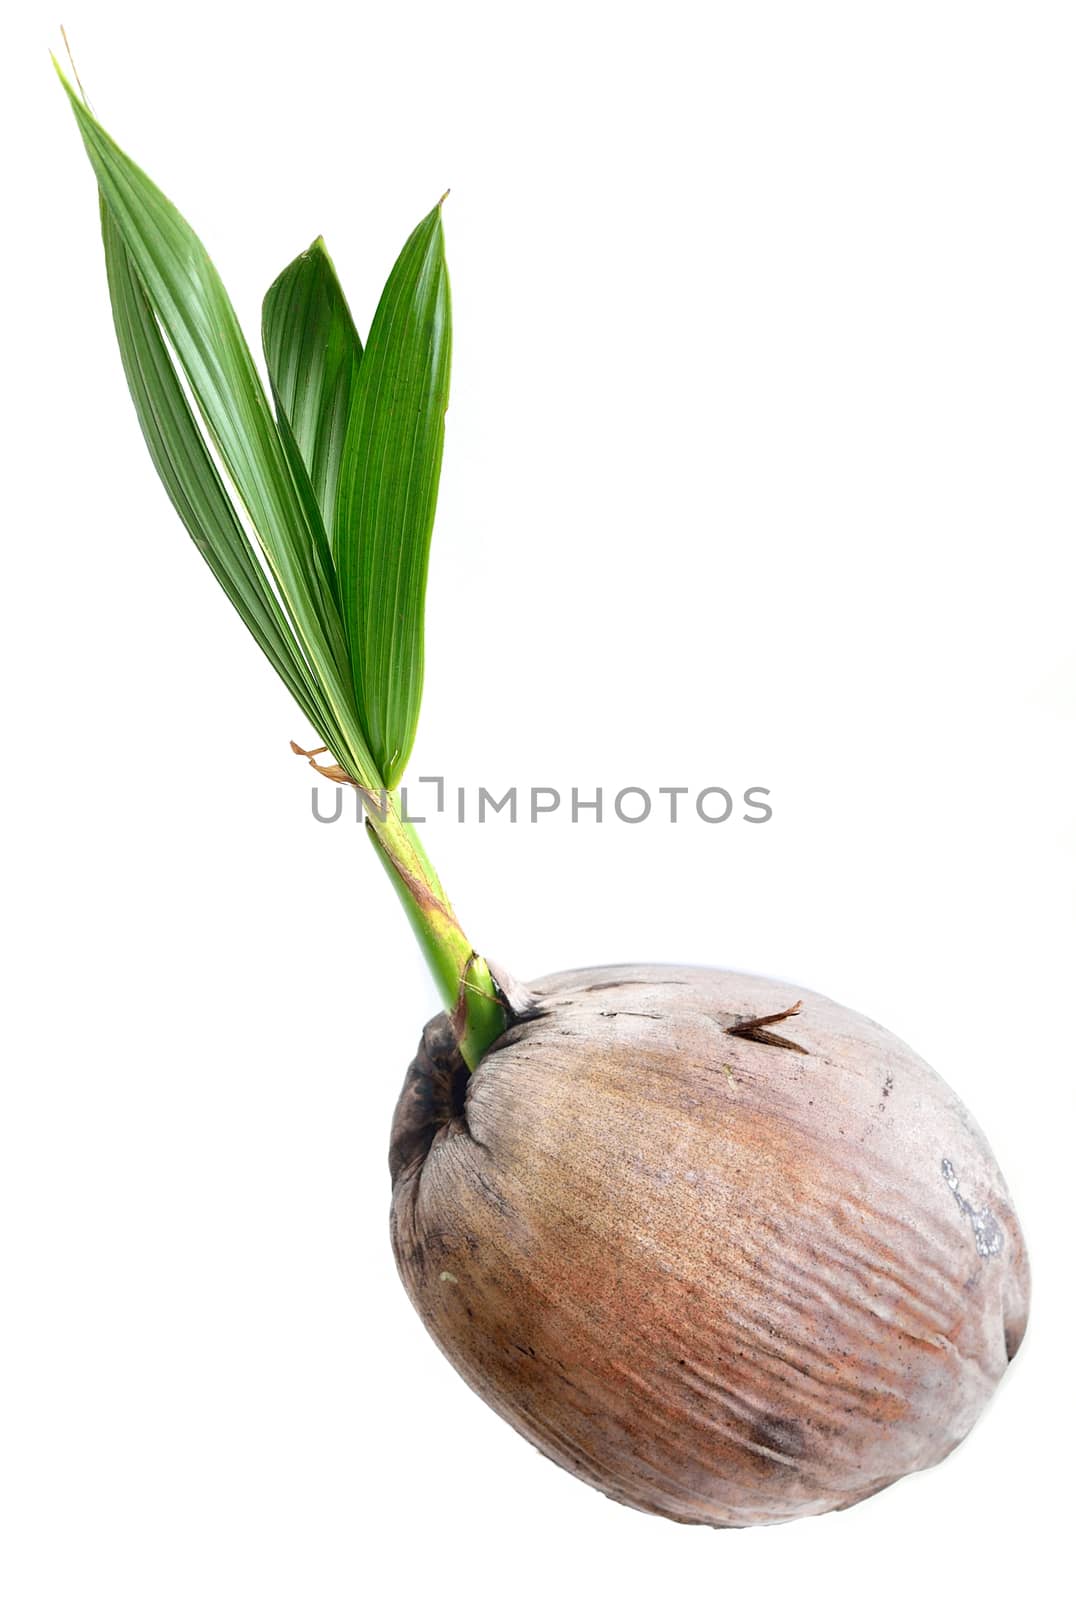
(335, 474)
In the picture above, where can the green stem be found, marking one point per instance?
(463, 978)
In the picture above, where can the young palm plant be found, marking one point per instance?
(338, 480)
(728, 1258)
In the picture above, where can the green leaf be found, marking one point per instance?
(387, 493)
(313, 354)
(190, 476)
(196, 316)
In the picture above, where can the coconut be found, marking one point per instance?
(722, 1248)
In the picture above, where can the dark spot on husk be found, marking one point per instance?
(779, 1437)
(433, 1094)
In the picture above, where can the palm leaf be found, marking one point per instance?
(313, 354)
(387, 493)
(189, 301)
(190, 476)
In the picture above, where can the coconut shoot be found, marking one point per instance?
(730, 1253)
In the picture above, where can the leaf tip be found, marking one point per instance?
(82, 98)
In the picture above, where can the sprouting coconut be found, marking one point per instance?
(723, 1249)
(727, 1260)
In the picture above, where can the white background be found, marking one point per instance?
(759, 471)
